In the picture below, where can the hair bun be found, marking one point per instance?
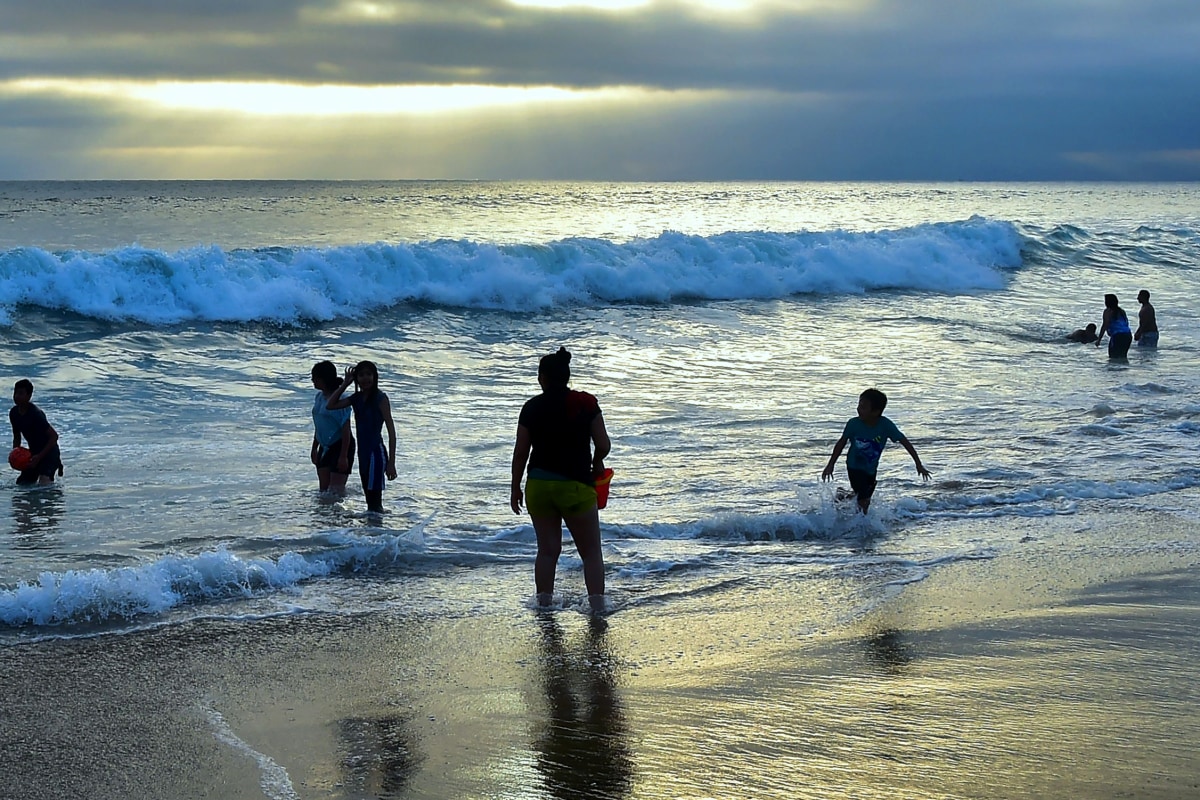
(564, 354)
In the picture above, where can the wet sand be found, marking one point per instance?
(1069, 667)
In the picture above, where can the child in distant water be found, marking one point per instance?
(28, 421)
(1084, 335)
(333, 446)
(372, 412)
(868, 434)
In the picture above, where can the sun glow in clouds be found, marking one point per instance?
(620, 5)
(286, 99)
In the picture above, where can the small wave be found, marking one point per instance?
(1149, 388)
(291, 286)
(1101, 430)
(99, 596)
(1037, 501)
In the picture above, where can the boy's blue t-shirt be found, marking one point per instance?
(867, 442)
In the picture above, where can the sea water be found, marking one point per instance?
(726, 329)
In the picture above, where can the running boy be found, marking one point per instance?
(29, 421)
(372, 411)
(868, 434)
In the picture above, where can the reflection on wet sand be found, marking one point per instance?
(889, 650)
(379, 756)
(582, 750)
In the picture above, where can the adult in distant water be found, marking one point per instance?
(555, 436)
(1084, 335)
(1147, 331)
(1116, 325)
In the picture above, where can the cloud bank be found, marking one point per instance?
(854, 90)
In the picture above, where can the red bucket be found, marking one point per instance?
(602, 482)
(19, 458)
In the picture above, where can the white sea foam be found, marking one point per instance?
(102, 595)
(294, 285)
(274, 780)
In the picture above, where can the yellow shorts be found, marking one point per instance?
(558, 498)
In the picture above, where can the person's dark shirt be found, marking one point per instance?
(33, 425)
(560, 429)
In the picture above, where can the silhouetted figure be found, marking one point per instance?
(1084, 335)
(1116, 325)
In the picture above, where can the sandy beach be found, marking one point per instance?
(1067, 667)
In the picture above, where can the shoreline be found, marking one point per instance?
(1065, 667)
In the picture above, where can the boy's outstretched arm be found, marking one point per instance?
(912, 451)
(827, 474)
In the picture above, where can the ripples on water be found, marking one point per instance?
(187, 438)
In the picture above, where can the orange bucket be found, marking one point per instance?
(602, 482)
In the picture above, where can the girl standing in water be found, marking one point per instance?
(333, 445)
(371, 412)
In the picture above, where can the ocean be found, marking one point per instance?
(727, 330)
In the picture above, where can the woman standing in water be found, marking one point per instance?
(555, 435)
(1116, 324)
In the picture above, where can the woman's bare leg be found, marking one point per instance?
(549, 547)
(585, 531)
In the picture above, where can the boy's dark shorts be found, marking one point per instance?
(50, 464)
(329, 458)
(863, 484)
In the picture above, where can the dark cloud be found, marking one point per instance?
(144, 18)
(890, 44)
(878, 89)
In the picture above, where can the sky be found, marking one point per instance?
(600, 89)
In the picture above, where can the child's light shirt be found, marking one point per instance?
(328, 423)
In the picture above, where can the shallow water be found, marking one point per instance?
(726, 353)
